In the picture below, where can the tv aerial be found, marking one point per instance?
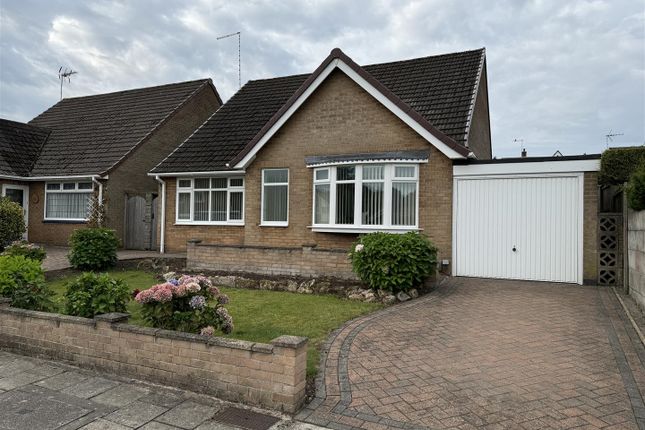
(239, 53)
(62, 75)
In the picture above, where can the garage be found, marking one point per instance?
(520, 219)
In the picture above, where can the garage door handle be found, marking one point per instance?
(514, 249)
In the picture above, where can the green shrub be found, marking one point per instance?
(636, 190)
(393, 262)
(23, 281)
(618, 164)
(92, 294)
(12, 222)
(26, 249)
(93, 248)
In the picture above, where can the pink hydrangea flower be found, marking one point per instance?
(207, 331)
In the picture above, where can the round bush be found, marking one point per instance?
(23, 281)
(91, 294)
(12, 222)
(93, 248)
(393, 262)
(26, 249)
(636, 190)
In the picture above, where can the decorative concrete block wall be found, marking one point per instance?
(298, 261)
(271, 375)
(636, 255)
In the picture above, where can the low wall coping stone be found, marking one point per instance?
(129, 328)
(286, 341)
(231, 343)
(4, 300)
(112, 317)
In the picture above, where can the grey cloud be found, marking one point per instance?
(561, 74)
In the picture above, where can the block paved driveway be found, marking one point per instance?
(486, 354)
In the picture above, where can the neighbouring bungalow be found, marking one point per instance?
(102, 145)
(291, 170)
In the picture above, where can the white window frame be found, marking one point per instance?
(264, 223)
(191, 191)
(61, 191)
(358, 227)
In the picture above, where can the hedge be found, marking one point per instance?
(617, 165)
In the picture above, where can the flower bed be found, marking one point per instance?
(186, 303)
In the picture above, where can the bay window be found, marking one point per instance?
(210, 201)
(67, 201)
(366, 196)
(275, 197)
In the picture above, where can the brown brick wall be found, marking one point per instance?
(590, 228)
(47, 232)
(269, 375)
(339, 118)
(302, 261)
(131, 176)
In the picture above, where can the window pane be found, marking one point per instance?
(237, 182)
(372, 212)
(404, 171)
(69, 186)
(345, 204)
(183, 211)
(53, 187)
(372, 172)
(200, 205)
(276, 176)
(202, 183)
(275, 203)
(404, 200)
(218, 205)
(237, 201)
(67, 205)
(84, 185)
(322, 175)
(184, 183)
(345, 173)
(322, 204)
(218, 182)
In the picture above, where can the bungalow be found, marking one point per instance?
(100, 145)
(286, 175)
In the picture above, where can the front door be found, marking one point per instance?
(20, 195)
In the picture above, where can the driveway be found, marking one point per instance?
(486, 354)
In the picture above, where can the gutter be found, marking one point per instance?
(190, 174)
(162, 232)
(51, 178)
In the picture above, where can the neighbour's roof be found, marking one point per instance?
(19, 146)
(439, 89)
(90, 135)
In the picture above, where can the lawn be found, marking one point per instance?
(260, 316)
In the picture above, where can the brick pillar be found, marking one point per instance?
(293, 355)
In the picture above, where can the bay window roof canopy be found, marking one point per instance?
(375, 157)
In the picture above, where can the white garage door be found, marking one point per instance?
(514, 227)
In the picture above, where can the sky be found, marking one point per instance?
(561, 74)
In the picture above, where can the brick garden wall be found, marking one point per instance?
(297, 261)
(270, 375)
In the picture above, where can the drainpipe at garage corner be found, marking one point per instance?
(162, 232)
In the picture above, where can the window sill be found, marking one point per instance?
(229, 224)
(353, 229)
(64, 221)
(282, 225)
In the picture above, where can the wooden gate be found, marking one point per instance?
(136, 234)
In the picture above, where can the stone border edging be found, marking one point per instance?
(631, 318)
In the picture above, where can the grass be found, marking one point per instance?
(260, 316)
